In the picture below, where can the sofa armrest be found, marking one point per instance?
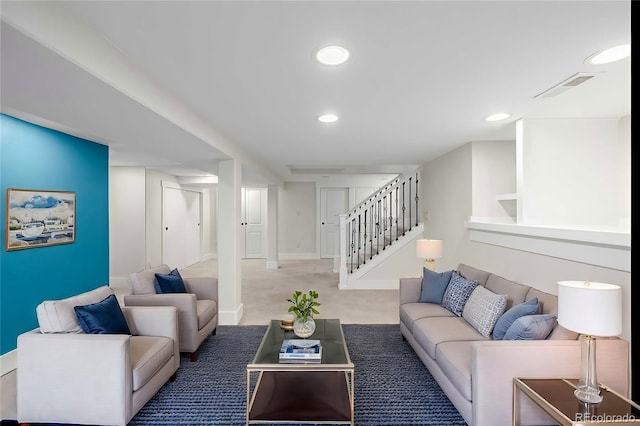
(152, 320)
(185, 303)
(54, 370)
(410, 289)
(494, 364)
(203, 288)
(155, 321)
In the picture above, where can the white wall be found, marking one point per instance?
(624, 132)
(493, 172)
(571, 173)
(447, 197)
(126, 223)
(297, 220)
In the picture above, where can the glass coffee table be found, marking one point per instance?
(297, 392)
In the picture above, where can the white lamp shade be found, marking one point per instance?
(429, 249)
(591, 308)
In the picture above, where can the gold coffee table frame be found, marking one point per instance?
(301, 393)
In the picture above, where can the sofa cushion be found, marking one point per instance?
(143, 282)
(410, 312)
(561, 333)
(454, 358)
(430, 332)
(169, 283)
(434, 285)
(548, 302)
(457, 293)
(515, 292)
(530, 307)
(531, 327)
(58, 316)
(148, 355)
(104, 317)
(206, 310)
(483, 309)
(471, 273)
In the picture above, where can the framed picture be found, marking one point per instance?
(39, 218)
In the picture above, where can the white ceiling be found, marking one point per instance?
(241, 75)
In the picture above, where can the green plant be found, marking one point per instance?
(303, 305)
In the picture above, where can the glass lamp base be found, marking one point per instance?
(588, 395)
(588, 390)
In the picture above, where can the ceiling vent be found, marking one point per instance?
(569, 83)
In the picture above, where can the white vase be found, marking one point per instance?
(304, 327)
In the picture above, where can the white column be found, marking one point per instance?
(229, 234)
(272, 227)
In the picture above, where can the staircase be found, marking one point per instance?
(385, 221)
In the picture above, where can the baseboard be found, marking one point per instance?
(372, 285)
(298, 256)
(210, 256)
(231, 317)
(272, 264)
(8, 362)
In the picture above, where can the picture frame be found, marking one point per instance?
(37, 218)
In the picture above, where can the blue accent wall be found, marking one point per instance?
(34, 157)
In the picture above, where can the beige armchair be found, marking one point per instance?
(66, 376)
(197, 309)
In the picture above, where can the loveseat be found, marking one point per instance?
(476, 372)
(68, 376)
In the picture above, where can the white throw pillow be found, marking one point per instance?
(483, 309)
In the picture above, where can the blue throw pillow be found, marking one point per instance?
(104, 317)
(530, 307)
(434, 285)
(531, 327)
(457, 293)
(169, 283)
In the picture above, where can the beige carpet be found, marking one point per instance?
(264, 292)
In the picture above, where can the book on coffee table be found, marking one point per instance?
(300, 350)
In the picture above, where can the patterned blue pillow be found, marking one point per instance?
(457, 293)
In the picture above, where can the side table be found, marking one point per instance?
(556, 398)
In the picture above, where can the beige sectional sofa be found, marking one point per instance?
(477, 372)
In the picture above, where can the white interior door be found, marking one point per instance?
(254, 222)
(333, 202)
(181, 218)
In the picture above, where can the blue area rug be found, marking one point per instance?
(392, 386)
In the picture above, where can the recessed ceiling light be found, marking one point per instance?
(610, 55)
(332, 55)
(497, 117)
(328, 118)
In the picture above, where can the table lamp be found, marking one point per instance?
(429, 250)
(591, 309)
